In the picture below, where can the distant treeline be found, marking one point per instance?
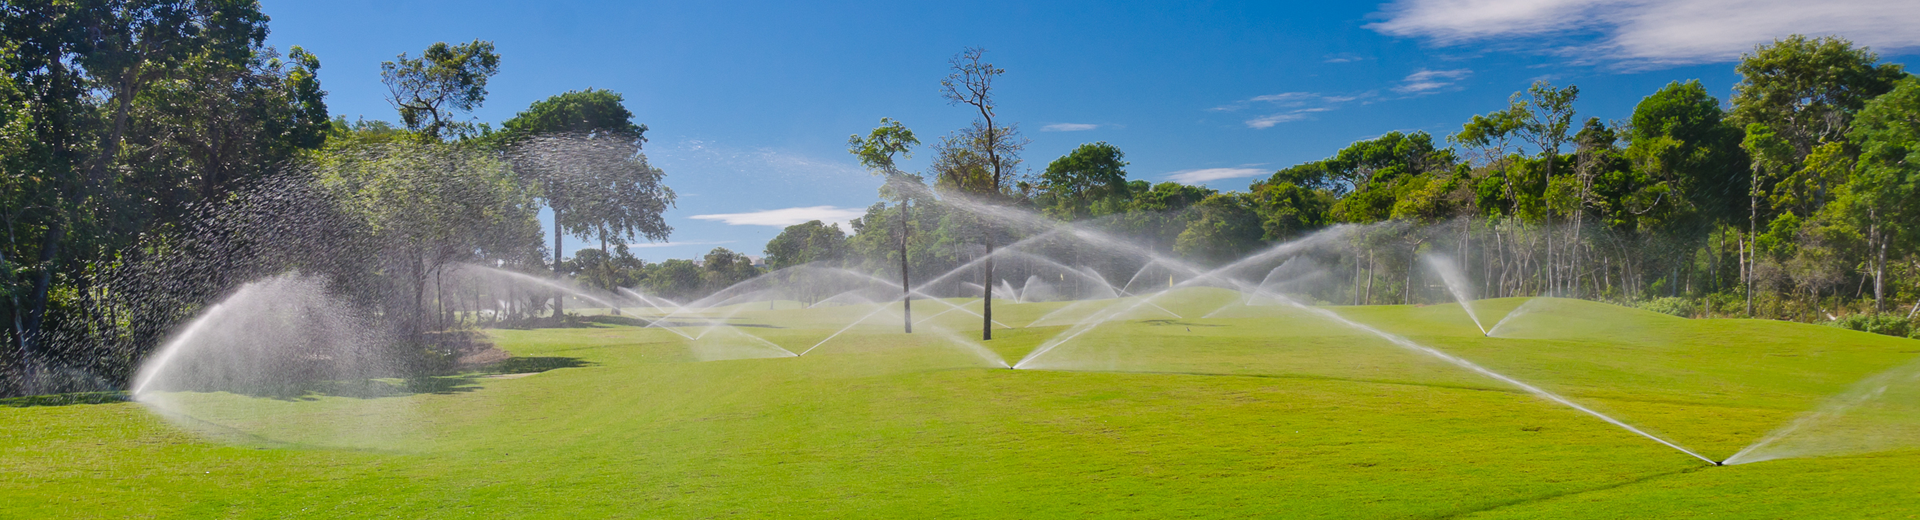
(1798, 198)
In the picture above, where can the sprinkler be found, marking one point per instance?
(1719, 463)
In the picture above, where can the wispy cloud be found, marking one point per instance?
(1645, 33)
(1213, 174)
(677, 244)
(786, 217)
(1344, 57)
(1068, 127)
(1296, 106)
(763, 163)
(1426, 81)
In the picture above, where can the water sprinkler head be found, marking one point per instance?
(1719, 463)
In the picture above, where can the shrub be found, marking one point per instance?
(1887, 324)
(1669, 305)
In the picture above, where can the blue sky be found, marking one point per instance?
(749, 105)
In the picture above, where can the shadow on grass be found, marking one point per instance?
(1179, 322)
(680, 322)
(435, 384)
(66, 399)
(531, 365)
(371, 388)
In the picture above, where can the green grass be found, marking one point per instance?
(1256, 411)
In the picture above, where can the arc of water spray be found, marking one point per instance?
(1869, 389)
(1289, 247)
(842, 329)
(1522, 310)
(1476, 368)
(1456, 284)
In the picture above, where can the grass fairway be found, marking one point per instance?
(1256, 410)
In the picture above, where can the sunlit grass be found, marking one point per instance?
(1258, 410)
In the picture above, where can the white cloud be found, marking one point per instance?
(1344, 57)
(787, 217)
(1299, 104)
(676, 244)
(1426, 81)
(763, 163)
(1068, 127)
(1213, 174)
(1653, 32)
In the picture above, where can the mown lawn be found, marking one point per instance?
(1195, 405)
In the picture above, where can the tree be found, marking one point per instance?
(1679, 136)
(723, 268)
(876, 152)
(1288, 209)
(676, 278)
(583, 150)
(445, 80)
(1546, 120)
(1885, 183)
(1770, 156)
(806, 243)
(579, 112)
(1093, 172)
(1808, 89)
(1226, 228)
(430, 204)
(971, 83)
(224, 124)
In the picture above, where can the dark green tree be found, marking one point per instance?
(583, 151)
(444, 81)
(1091, 173)
(1884, 189)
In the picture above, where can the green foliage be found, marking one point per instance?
(1673, 306)
(1886, 324)
(577, 112)
(1288, 210)
(1807, 89)
(806, 243)
(675, 278)
(1091, 174)
(443, 81)
(722, 268)
(1680, 140)
(1226, 228)
(607, 272)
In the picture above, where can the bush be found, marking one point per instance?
(1887, 324)
(1669, 305)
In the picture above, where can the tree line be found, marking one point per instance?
(155, 155)
(1796, 198)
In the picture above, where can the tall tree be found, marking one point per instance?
(970, 82)
(583, 150)
(445, 80)
(1679, 137)
(876, 152)
(1770, 156)
(1885, 183)
(1808, 89)
(1546, 120)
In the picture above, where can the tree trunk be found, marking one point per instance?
(1753, 225)
(559, 312)
(906, 285)
(986, 296)
(42, 283)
